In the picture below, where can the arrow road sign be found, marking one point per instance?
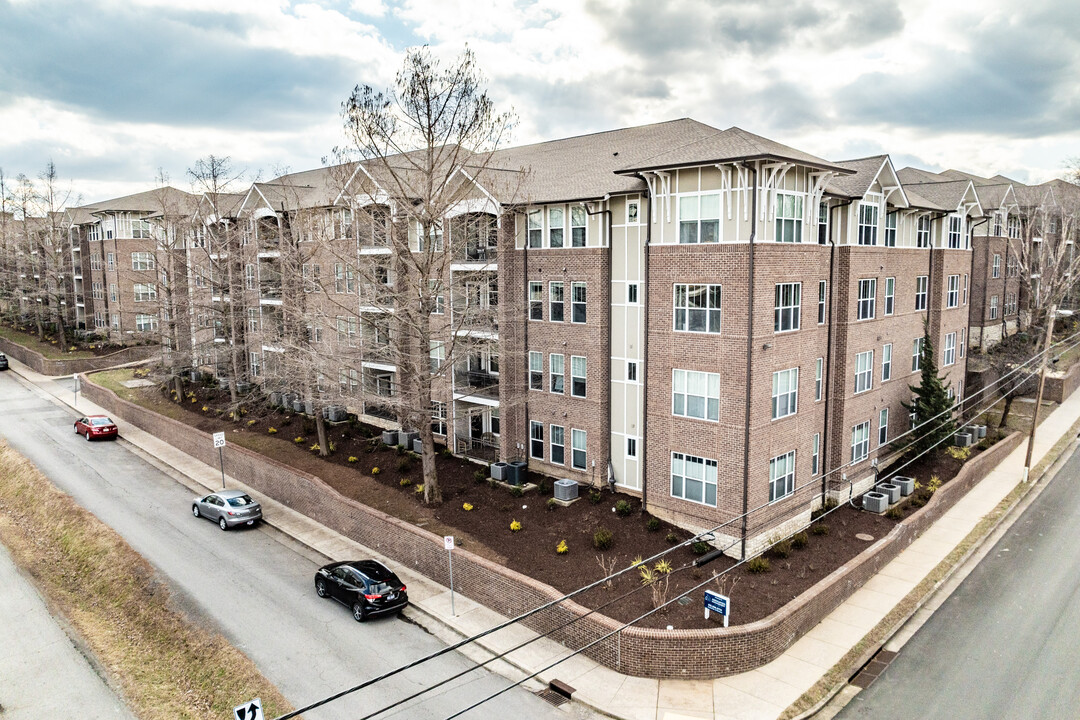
(249, 711)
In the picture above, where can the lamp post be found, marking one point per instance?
(1039, 394)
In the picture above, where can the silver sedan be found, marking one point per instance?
(228, 508)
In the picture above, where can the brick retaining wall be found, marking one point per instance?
(645, 652)
(41, 364)
(1058, 389)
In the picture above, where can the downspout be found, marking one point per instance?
(986, 283)
(1004, 322)
(749, 354)
(644, 298)
(605, 400)
(524, 336)
(827, 370)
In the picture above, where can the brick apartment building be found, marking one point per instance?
(721, 324)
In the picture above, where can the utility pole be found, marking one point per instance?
(1039, 394)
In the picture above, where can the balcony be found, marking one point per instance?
(476, 317)
(482, 254)
(476, 382)
(484, 448)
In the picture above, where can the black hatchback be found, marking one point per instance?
(367, 587)
(3, 362)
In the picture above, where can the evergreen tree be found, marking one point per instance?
(931, 406)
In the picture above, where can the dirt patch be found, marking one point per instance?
(484, 527)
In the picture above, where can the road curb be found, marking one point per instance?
(1007, 516)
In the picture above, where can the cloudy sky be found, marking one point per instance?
(112, 90)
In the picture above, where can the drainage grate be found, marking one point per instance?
(869, 672)
(685, 600)
(553, 697)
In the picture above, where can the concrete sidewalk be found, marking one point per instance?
(761, 694)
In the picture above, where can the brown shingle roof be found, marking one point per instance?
(864, 170)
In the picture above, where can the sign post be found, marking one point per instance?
(448, 543)
(219, 443)
(251, 710)
(717, 603)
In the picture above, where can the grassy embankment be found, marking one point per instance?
(164, 665)
(46, 348)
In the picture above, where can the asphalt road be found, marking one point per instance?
(255, 585)
(1006, 644)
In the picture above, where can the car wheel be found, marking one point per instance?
(195, 511)
(320, 588)
(76, 426)
(222, 524)
(358, 612)
(87, 436)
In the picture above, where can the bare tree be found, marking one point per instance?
(425, 147)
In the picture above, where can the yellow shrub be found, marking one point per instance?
(562, 548)
(515, 526)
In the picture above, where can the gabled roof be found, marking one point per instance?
(916, 200)
(947, 194)
(148, 202)
(728, 145)
(865, 171)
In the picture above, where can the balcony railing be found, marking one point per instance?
(379, 411)
(476, 254)
(483, 448)
(476, 317)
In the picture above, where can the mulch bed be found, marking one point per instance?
(98, 348)
(485, 529)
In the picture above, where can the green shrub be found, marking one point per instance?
(760, 564)
(516, 491)
(404, 465)
(603, 539)
(400, 449)
(480, 475)
(552, 503)
(820, 529)
(895, 513)
(543, 487)
(799, 540)
(672, 537)
(623, 508)
(595, 497)
(829, 505)
(700, 547)
(781, 549)
(652, 524)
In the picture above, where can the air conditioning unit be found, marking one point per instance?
(875, 502)
(335, 413)
(275, 399)
(406, 437)
(907, 485)
(566, 489)
(389, 437)
(962, 439)
(890, 490)
(499, 470)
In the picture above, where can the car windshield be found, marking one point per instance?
(241, 501)
(100, 421)
(379, 588)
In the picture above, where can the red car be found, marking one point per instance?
(96, 426)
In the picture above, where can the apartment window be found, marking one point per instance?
(864, 371)
(249, 276)
(868, 223)
(145, 292)
(493, 418)
(438, 416)
(995, 271)
(789, 215)
(556, 226)
(821, 292)
(253, 319)
(346, 331)
(434, 287)
(952, 296)
(695, 394)
(536, 370)
(819, 379)
(536, 229)
(577, 302)
(140, 229)
(963, 339)
(890, 229)
(890, 295)
(536, 301)
(115, 321)
(1010, 303)
(632, 293)
(785, 393)
(955, 230)
(965, 288)
(254, 364)
(558, 445)
(921, 283)
(922, 231)
(142, 261)
(815, 455)
(916, 354)
(632, 212)
(867, 299)
(697, 308)
(143, 322)
(555, 302)
(997, 226)
(437, 355)
(577, 449)
(1012, 266)
(97, 291)
(786, 314)
(699, 218)
(577, 226)
(948, 355)
(823, 223)
(860, 442)
(311, 273)
(886, 362)
(110, 260)
(631, 447)
(1014, 227)
(631, 371)
(693, 478)
(95, 261)
(536, 440)
(781, 476)
(883, 427)
(557, 372)
(577, 376)
(114, 293)
(339, 277)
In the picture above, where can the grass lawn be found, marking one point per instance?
(165, 664)
(47, 348)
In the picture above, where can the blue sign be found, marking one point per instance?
(717, 603)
